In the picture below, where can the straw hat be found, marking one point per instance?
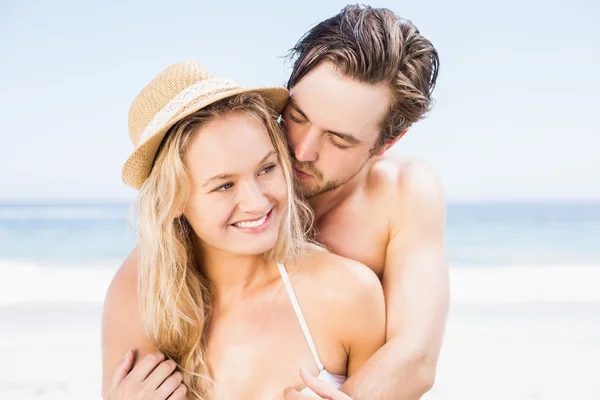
(175, 93)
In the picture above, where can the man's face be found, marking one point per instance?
(332, 124)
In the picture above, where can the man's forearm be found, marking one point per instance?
(396, 371)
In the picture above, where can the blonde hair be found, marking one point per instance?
(175, 297)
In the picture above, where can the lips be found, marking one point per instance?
(256, 225)
(251, 223)
(301, 174)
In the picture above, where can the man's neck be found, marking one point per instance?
(326, 202)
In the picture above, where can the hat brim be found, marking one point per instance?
(138, 166)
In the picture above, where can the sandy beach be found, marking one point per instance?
(513, 333)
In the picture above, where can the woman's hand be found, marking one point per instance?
(321, 388)
(152, 379)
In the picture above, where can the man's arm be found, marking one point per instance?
(416, 288)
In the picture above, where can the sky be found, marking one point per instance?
(515, 118)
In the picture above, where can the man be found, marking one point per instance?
(360, 79)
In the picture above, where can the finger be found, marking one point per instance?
(322, 388)
(179, 393)
(293, 394)
(146, 366)
(121, 371)
(160, 374)
(169, 386)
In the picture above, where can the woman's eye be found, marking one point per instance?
(267, 169)
(224, 187)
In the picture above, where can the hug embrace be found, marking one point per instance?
(283, 251)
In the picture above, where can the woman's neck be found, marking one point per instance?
(232, 276)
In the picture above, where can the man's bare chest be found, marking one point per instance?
(359, 237)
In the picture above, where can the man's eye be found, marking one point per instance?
(335, 141)
(295, 119)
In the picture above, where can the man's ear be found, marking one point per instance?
(390, 143)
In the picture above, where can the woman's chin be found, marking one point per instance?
(259, 246)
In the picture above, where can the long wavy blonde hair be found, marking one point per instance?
(175, 296)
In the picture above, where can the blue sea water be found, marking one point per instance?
(477, 234)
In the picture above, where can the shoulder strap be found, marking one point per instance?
(298, 310)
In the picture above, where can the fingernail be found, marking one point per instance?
(126, 354)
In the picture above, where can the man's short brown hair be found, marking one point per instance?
(374, 46)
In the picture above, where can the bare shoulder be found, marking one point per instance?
(122, 326)
(338, 276)
(347, 298)
(410, 189)
(402, 177)
(121, 301)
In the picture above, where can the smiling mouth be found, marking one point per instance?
(253, 223)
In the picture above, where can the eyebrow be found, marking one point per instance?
(221, 177)
(346, 136)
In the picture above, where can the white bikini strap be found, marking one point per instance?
(298, 310)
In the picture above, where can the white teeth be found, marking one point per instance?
(251, 224)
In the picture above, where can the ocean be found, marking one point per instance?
(478, 235)
(524, 286)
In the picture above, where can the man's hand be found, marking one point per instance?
(324, 390)
(153, 378)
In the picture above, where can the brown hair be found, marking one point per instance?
(373, 46)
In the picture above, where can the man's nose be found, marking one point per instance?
(307, 148)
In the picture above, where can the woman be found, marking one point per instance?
(230, 299)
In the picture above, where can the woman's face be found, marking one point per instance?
(238, 189)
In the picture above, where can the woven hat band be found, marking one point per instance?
(179, 103)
